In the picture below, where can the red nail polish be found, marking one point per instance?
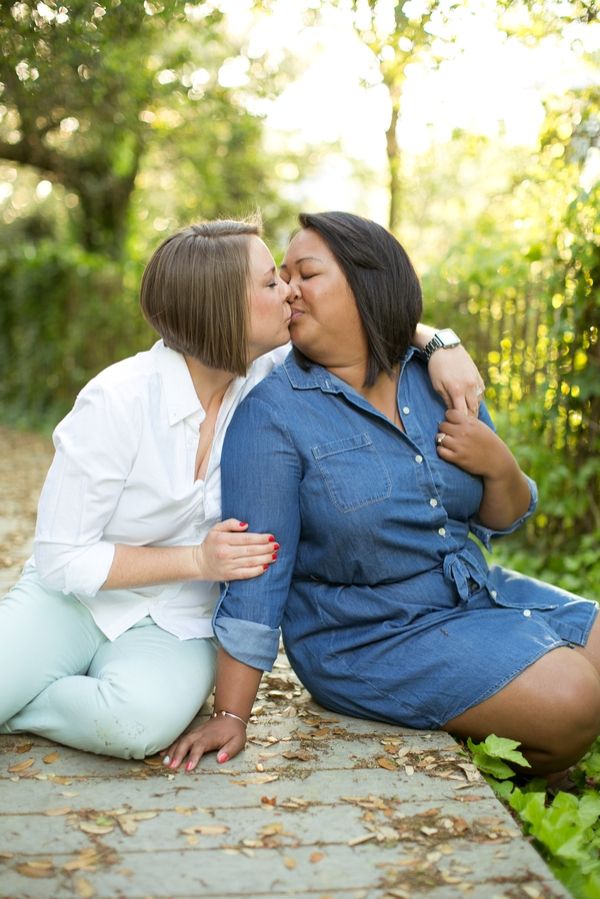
(243, 524)
(271, 539)
(274, 556)
(276, 547)
(265, 567)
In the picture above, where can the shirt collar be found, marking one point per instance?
(315, 376)
(181, 397)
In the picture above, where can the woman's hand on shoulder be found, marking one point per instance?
(230, 553)
(472, 445)
(456, 378)
(226, 736)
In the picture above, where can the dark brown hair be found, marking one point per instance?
(381, 277)
(194, 292)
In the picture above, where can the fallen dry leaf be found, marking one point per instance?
(303, 755)
(96, 829)
(387, 763)
(270, 830)
(268, 800)
(470, 771)
(290, 863)
(51, 758)
(56, 812)
(36, 869)
(316, 857)
(83, 888)
(128, 824)
(256, 779)
(86, 860)
(23, 747)
(364, 839)
(21, 766)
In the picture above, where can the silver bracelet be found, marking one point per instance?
(223, 714)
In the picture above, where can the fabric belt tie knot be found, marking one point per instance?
(464, 573)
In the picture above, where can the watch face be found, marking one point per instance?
(448, 338)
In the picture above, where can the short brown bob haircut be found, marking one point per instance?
(195, 292)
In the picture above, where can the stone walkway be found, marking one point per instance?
(318, 805)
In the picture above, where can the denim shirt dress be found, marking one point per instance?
(386, 603)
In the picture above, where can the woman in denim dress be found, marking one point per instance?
(386, 603)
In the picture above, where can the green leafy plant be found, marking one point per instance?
(493, 753)
(565, 827)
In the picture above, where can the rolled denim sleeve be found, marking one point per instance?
(260, 477)
(486, 534)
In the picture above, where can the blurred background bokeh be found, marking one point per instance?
(471, 128)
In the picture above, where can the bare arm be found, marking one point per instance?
(473, 446)
(453, 373)
(227, 554)
(237, 685)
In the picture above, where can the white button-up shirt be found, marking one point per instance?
(124, 472)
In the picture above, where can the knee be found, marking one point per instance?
(575, 716)
(134, 735)
(141, 727)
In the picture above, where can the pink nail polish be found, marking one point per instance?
(222, 757)
(189, 766)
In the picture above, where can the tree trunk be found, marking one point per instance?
(394, 165)
(104, 206)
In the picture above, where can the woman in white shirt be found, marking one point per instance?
(106, 641)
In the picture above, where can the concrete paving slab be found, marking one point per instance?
(338, 823)
(319, 806)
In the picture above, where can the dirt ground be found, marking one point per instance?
(24, 461)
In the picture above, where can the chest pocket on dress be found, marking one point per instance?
(353, 472)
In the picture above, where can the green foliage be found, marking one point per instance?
(565, 826)
(492, 754)
(105, 99)
(119, 107)
(64, 313)
(74, 81)
(527, 302)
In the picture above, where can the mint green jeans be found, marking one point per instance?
(61, 678)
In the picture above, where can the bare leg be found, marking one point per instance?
(591, 650)
(552, 708)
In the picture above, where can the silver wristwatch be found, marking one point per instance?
(441, 340)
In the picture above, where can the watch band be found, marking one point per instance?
(441, 340)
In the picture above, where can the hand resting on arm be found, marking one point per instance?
(227, 554)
